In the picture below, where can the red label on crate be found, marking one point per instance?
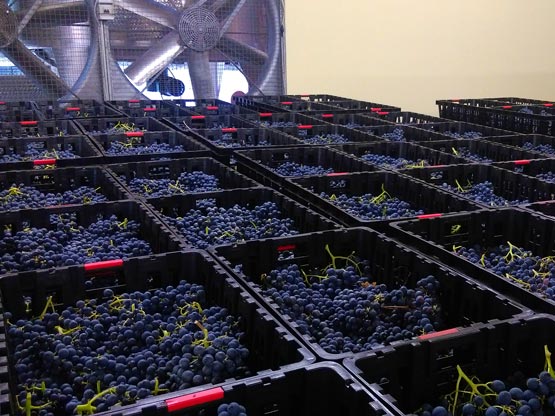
(198, 117)
(28, 123)
(99, 265)
(134, 134)
(2, 103)
(212, 107)
(337, 173)
(287, 247)
(438, 334)
(73, 109)
(134, 101)
(40, 162)
(548, 105)
(286, 102)
(265, 114)
(194, 399)
(327, 115)
(149, 109)
(304, 126)
(229, 130)
(428, 216)
(382, 113)
(375, 109)
(522, 162)
(506, 107)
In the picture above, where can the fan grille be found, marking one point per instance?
(8, 25)
(199, 29)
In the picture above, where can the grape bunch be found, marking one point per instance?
(542, 148)
(23, 197)
(209, 225)
(373, 207)
(464, 135)
(277, 124)
(68, 243)
(465, 153)
(227, 140)
(34, 151)
(390, 162)
(323, 139)
(534, 273)
(519, 395)
(397, 135)
(343, 309)
(298, 169)
(231, 409)
(133, 146)
(187, 182)
(119, 349)
(547, 177)
(483, 193)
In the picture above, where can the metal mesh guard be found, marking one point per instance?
(8, 25)
(199, 29)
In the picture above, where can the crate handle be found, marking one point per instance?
(506, 107)
(265, 114)
(428, 216)
(40, 162)
(382, 113)
(198, 117)
(28, 123)
(149, 109)
(100, 265)
(522, 162)
(287, 247)
(438, 334)
(134, 101)
(286, 103)
(73, 109)
(134, 134)
(327, 115)
(212, 107)
(194, 399)
(337, 173)
(304, 126)
(375, 109)
(229, 130)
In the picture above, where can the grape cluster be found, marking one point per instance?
(122, 348)
(22, 197)
(521, 266)
(547, 177)
(298, 169)
(390, 162)
(68, 243)
(278, 124)
(227, 140)
(187, 182)
(231, 409)
(397, 135)
(209, 225)
(483, 193)
(323, 138)
(34, 151)
(465, 153)
(519, 395)
(464, 135)
(133, 146)
(372, 207)
(344, 309)
(542, 148)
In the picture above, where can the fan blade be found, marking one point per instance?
(226, 12)
(152, 10)
(155, 59)
(240, 51)
(30, 13)
(201, 75)
(35, 69)
(59, 14)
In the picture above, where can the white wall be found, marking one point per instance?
(411, 52)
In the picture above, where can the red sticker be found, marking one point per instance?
(548, 105)
(198, 117)
(327, 115)
(382, 113)
(229, 130)
(375, 109)
(304, 126)
(438, 334)
(28, 123)
(265, 114)
(194, 399)
(134, 134)
(73, 109)
(149, 109)
(40, 162)
(286, 102)
(212, 107)
(522, 162)
(506, 107)
(99, 265)
(337, 173)
(134, 101)
(428, 216)
(287, 247)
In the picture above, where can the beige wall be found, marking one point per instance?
(409, 52)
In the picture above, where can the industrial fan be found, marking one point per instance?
(117, 49)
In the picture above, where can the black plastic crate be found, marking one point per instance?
(171, 169)
(35, 128)
(271, 347)
(64, 179)
(409, 376)
(323, 389)
(211, 107)
(534, 143)
(542, 169)
(408, 117)
(467, 110)
(400, 133)
(51, 110)
(362, 105)
(80, 146)
(308, 134)
(178, 145)
(281, 120)
(281, 106)
(117, 125)
(18, 111)
(412, 155)
(199, 121)
(514, 188)
(522, 101)
(262, 162)
(481, 151)
(382, 186)
(304, 219)
(149, 108)
(463, 302)
(150, 230)
(474, 131)
(546, 208)
(349, 119)
(443, 237)
(524, 119)
(317, 98)
(243, 138)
